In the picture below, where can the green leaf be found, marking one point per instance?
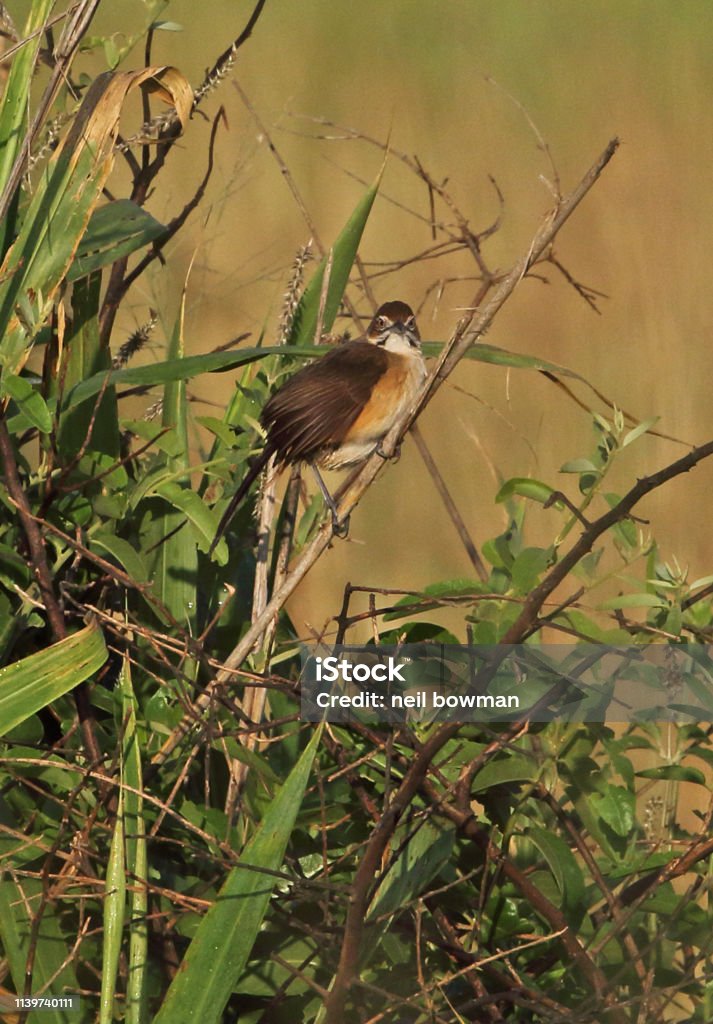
(16, 106)
(219, 428)
(256, 762)
(178, 369)
(114, 908)
(524, 487)
(566, 871)
(61, 204)
(632, 601)
(416, 865)
(114, 230)
(507, 769)
(343, 256)
(528, 566)
(616, 807)
(579, 466)
(173, 561)
(136, 854)
(217, 956)
(675, 773)
(28, 685)
(433, 593)
(642, 428)
(30, 402)
(124, 553)
(83, 357)
(193, 507)
(51, 966)
(495, 356)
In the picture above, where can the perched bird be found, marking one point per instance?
(335, 412)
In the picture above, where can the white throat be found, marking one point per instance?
(398, 343)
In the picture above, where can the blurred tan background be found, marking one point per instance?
(640, 69)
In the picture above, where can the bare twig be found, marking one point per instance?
(451, 508)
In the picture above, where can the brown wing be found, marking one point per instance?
(316, 407)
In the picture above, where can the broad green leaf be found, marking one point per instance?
(114, 230)
(343, 256)
(255, 761)
(529, 565)
(166, 441)
(416, 865)
(28, 685)
(123, 552)
(217, 956)
(30, 402)
(616, 806)
(495, 356)
(507, 769)
(193, 507)
(220, 429)
(565, 869)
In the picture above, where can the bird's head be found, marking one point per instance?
(394, 328)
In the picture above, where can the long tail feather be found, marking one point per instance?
(248, 480)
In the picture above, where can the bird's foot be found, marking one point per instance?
(394, 457)
(340, 529)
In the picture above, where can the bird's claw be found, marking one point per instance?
(394, 457)
(340, 529)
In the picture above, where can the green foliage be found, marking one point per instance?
(170, 812)
(218, 953)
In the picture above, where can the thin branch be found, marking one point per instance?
(180, 219)
(451, 508)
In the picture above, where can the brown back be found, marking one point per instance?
(315, 408)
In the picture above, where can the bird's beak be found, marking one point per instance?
(405, 332)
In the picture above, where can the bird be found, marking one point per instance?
(335, 412)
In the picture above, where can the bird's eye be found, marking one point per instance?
(411, 322)
(381, 323)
